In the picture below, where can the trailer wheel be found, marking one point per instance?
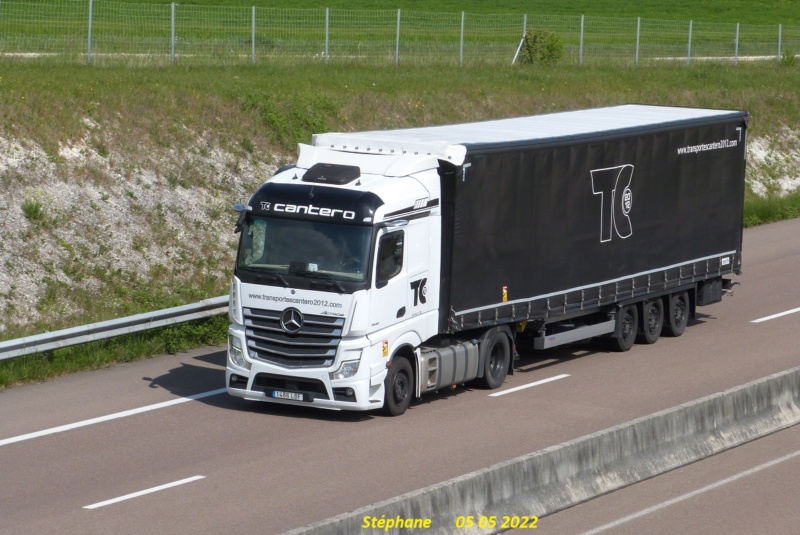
(398, 388)
(498, 357)
(627, 326)
(677, 314)
(652, 321)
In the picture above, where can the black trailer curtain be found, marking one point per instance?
(531, 221)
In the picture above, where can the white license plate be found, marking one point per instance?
(294, 396)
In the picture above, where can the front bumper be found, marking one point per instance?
(310, 387)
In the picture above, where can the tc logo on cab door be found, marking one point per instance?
(420, 291)
(613, 184)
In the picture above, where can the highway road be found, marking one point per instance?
(754, 488)
(128, 449)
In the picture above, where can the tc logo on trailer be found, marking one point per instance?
(613, 184)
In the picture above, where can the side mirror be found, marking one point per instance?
(239, 222)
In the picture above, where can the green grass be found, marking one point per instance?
(264, 109)
(768, 12)
(215, 32)
(762, 210)
(94, 355)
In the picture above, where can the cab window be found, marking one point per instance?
(390, 258)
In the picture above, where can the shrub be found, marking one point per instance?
(541, 46)
(788, 59)
(33, 210)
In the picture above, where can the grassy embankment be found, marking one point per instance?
(262, 112)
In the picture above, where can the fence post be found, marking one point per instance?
(689, 49)
(397, 41)
(780, 32)
(172, 35)
(736, 53)
(89, 43)
(638, 34)
(580, 47)
(327, 32)
(461, 44)
(253, 38)
(521, 41)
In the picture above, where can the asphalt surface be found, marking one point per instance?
(754, 488)
(249, 467)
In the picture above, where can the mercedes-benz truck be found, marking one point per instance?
(384, 265)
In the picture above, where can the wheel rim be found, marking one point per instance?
(496, 360)
(627, 326)
(680, 311)
(653, 319)
(400, 387)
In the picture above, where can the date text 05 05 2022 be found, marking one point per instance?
(503, 522)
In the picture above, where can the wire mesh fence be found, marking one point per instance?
(100, 31)
(130, 32)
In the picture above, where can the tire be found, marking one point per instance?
(398, 387)
(677, 314)
(496, 361)
(652, 322)
(627, 327)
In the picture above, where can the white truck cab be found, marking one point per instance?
(337, 269)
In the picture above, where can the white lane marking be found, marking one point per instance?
(523, 387)
(692, 494)
(143, 492)
(778, 315)
(101, 419)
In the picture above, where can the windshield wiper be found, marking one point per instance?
(324, 276)
(275, 276)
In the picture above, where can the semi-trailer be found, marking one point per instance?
(384, 265)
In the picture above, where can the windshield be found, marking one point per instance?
(326, 251)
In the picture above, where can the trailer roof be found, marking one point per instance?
(451, 142)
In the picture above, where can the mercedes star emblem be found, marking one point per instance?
(292, 320)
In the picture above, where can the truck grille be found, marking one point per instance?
(314, 345)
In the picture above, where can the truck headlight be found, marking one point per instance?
(234, 310)
(236, 354)
(347, 369)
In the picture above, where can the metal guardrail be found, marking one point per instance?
(116, 327)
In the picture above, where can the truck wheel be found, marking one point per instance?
(627, 326)
(398, 387)
(652, 321)
(498, 357)
(677, 314)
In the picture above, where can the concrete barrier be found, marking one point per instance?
(558, 477)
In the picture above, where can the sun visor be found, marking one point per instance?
(369, 164)
(393, 144)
